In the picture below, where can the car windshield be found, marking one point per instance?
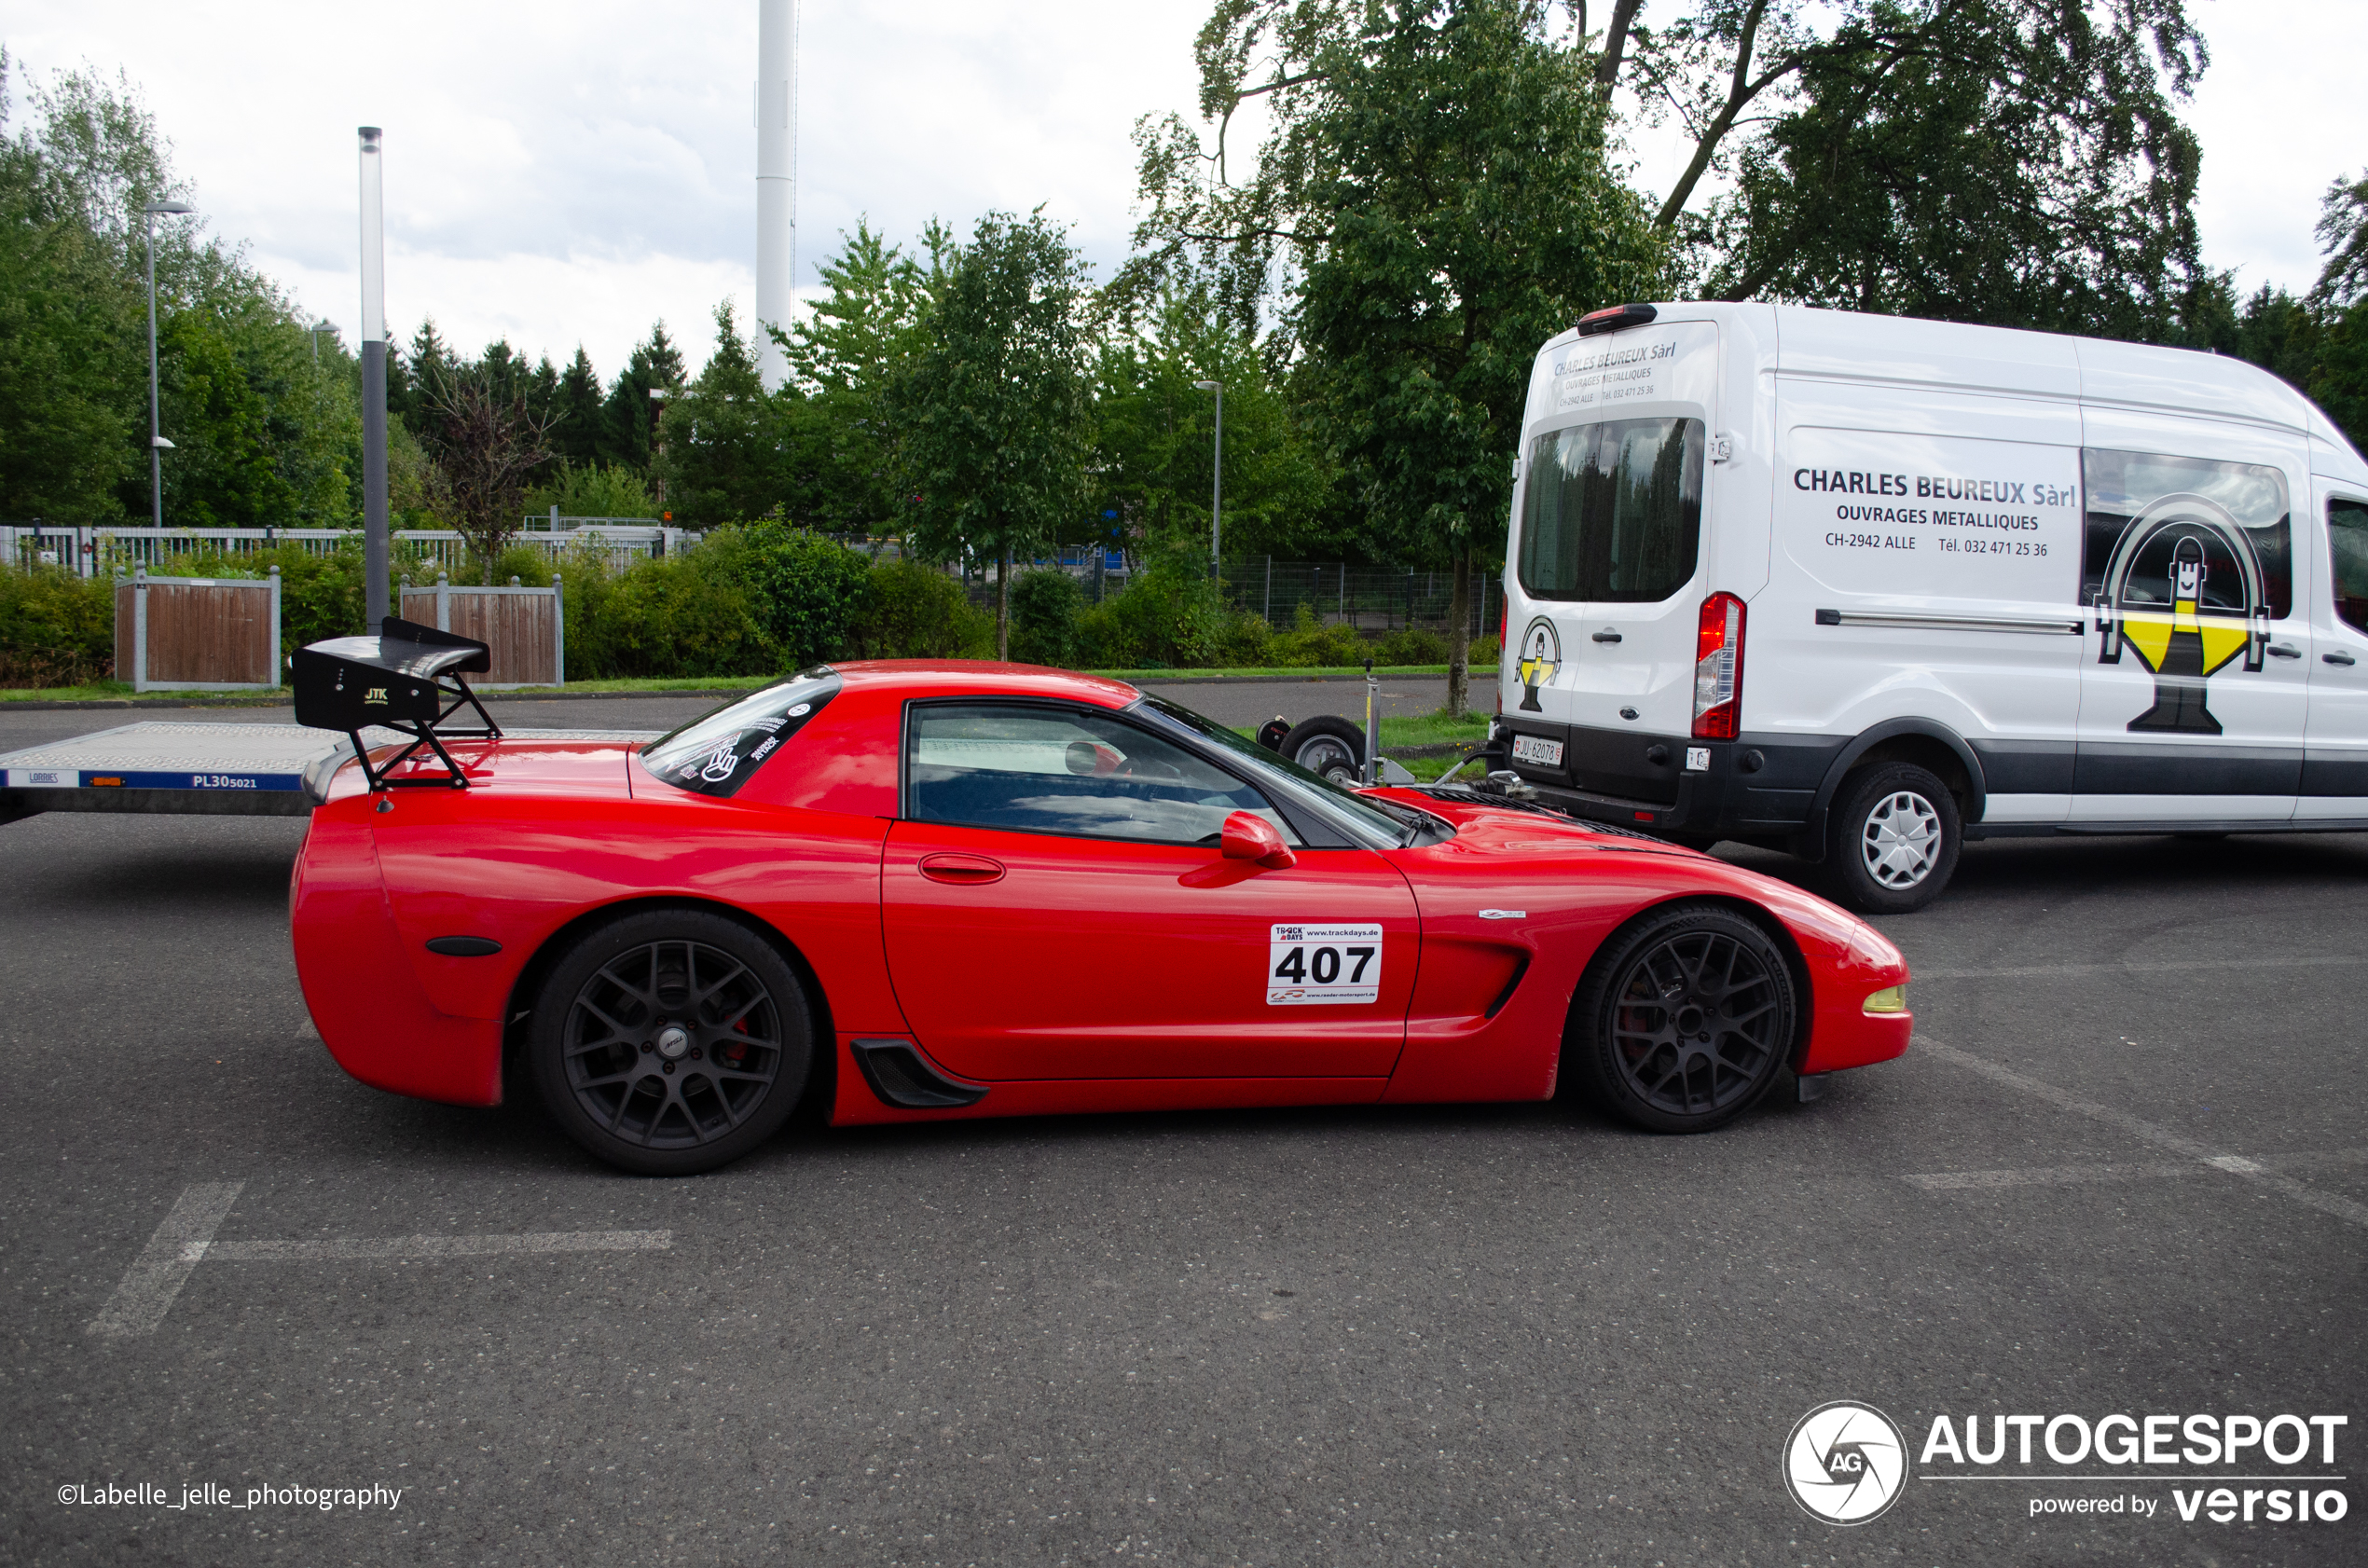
(718, 752)
(1363, 821)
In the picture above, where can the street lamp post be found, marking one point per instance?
(1216, 483)
(157, 444)
(314, 332)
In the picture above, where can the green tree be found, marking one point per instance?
(575, 425)
(724, 436)
(262, 435)
(655, 366)
(992, 412)
(842, 354)
(1436, 180)
(2015, 162)
(1154, 444)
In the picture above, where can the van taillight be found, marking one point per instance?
(1718, 669)
(1504, 625)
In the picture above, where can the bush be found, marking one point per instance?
(1312, 644)
(1045, 608)
(916, 611)
(808, 591)
(56, 628)
(1485, 652)
(658, 618)
(1411, 646)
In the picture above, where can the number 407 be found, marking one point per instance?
(1324, 966)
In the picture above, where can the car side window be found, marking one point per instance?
(1070, 771)
(2348, 542)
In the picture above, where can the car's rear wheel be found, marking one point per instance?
(1896, 836)
(1682, 1020)
(670, 1041)
(1330, 746)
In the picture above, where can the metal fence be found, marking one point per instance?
(1334, 593)
(101, 552)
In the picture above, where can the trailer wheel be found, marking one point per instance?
(1896, 835)
(1328, 746)
(671, 1041)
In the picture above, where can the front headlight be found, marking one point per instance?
(1890, 998)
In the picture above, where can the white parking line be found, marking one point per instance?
(2161, 1137)
(2035, 971)
(374, 1248)
(186, 1239)
(162, 1268)
(2074, 1175)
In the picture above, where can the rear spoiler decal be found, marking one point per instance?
(400, 680)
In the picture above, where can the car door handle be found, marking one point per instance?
(2338, 659)
(1607, 635)
(2279, 650)
(961, 868)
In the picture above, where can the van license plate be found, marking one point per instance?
(1538, 751)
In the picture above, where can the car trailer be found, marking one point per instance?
(227, 770)
(276, 770)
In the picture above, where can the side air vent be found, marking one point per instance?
(900, 1076)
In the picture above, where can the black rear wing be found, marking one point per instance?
(406, 679)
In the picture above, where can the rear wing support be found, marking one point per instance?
(407, 678)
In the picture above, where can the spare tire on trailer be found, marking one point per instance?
(1329, 746)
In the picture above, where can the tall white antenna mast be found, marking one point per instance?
(776, 180)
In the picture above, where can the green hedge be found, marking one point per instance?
(751, 599)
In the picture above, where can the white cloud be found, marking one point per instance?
(564, 174)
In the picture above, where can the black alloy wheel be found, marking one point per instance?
(1684, 1020)
(671, 1043)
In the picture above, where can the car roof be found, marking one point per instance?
(981, 678)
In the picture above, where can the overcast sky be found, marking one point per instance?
(564, 174)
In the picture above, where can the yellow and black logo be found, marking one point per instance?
(377, 694)
(2184, 592)
(1541, 656)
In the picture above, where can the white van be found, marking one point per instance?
(1863, 587)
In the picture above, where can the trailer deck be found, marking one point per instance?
(234, 770)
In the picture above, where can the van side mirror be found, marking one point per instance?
(1249, 837)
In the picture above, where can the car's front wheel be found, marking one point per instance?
(670, 1041)
(1682, 1020)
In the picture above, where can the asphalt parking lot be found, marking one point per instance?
(2125, 1169)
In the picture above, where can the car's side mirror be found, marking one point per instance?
(1249, 837)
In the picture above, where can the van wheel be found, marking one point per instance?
(1682, 1021)
(1895, 837)
(1329, 746)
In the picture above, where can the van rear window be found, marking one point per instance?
(1612, 511)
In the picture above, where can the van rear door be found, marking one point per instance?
(1607, 559)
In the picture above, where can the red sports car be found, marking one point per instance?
(919, 890)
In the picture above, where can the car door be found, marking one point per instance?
(1054, 905)
(2334, 769)
(2195, 680)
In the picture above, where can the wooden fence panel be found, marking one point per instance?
(197, 632)
(209, 634)
(520, 627)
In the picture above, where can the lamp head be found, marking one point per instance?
(1210, 386)
(161, 207)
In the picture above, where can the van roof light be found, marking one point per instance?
(1615, 318)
